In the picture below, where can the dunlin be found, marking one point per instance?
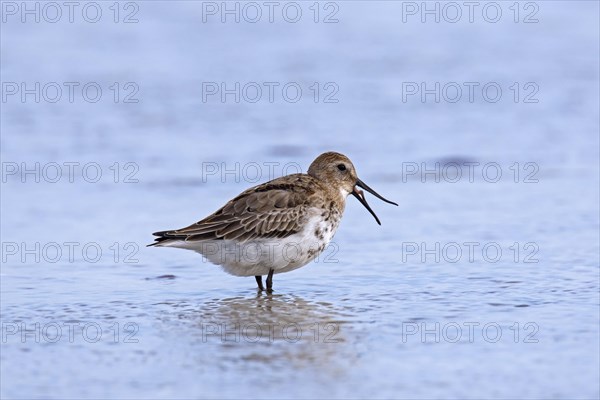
(278, 226)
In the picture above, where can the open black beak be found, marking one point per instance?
(361, 197)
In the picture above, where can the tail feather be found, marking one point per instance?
(164, 236)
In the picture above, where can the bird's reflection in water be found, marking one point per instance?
(265, 329)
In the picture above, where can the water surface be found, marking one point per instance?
(373, 317)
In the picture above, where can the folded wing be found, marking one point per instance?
(271, 210)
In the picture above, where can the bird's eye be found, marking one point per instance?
(341, 167)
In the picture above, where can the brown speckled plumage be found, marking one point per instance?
(300, 210)
(275, 209)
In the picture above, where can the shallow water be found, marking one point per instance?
(383, 312)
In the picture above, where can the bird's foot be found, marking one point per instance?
(259, 282)
(270, 281)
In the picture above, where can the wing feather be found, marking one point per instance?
(275, 209)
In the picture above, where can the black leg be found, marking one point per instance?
(259, 281)
(270, 280)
